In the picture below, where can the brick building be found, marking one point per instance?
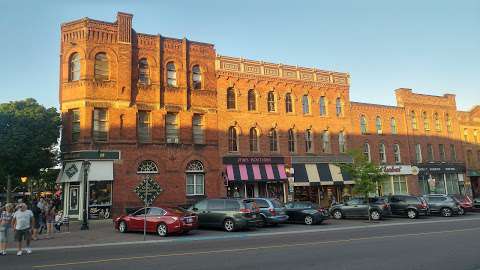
(137, 106)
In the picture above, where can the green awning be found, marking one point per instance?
(473, 173)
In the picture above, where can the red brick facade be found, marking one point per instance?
(124, 97)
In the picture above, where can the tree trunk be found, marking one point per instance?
(9, 188)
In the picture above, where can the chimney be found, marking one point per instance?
(124, 24)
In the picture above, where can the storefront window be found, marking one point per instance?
(423, 184)
(452, 183)
(439, 183)
(100, 193)
(386, 186)
(399, 184)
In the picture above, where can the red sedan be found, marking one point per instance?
(164, 221)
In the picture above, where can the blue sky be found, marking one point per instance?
(432, 47)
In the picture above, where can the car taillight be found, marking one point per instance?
(272, 211)
(245, 211)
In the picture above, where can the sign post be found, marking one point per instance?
(145, 212)
(147, 191)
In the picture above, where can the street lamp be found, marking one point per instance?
(86, 167)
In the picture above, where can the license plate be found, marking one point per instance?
(189, 220)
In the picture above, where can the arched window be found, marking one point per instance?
(101, 70)
(305, 104)
(308, 141)
(195, 175)
(288, 103)
(381, 153)
(393, 125)
(414, 120)
(273, 140)
(232, 139)
(426, 121)
(252, 100)
(292, 142)
(366, 152)
(196, 77)
(171, 74)
(396, 153)
(378, 124)
(253, 139)
(326, 142)
(449, 123)
(363, 125)
(342, 142)
(231, 99)
(74, 67)
(323, 106)
(436, 118)
(271, 101)
(147, 167)
(338, 106)
(143, 72)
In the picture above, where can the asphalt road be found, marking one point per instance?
(433, 243)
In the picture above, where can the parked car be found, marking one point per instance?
(476, 204)
(229, 214)
(407, 205)
(272, 211)
(358, 207)
(306, 212)
(445, 205)
(466, 204)
(161, 220)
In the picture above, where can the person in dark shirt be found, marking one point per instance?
(36, 215)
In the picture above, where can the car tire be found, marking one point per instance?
(446, 212)
(412, 214)
(229, 225)
(461, 211)
(122, 227)
(337, 214)
(375, 215)
(308, 220)
(162, 229)
(263, 221)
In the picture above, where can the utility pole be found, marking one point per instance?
(9, 188)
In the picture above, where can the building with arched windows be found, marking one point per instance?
(137, 106)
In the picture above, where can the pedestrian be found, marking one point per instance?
(37, 212)
(5, 224)
(22, 224)
(50, 218)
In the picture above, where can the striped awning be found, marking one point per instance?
(255, 172)
(319, 174)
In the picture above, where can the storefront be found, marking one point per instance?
(94, 168)
(474, 176)
(321, 180)
(397, 180)
(248, 177)
(441, 178)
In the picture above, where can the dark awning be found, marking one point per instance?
(308, 174)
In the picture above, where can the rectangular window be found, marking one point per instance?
(418, 153)
(430, 154)
(399, 184)
(171, 128)
(396, 153)
(143, 126)
(453, 152)
(451, 180)
(195, 184)
(75, 118)
(100, 125)
(323, 108)
(197, 129)
(386, 186)
(441, 151)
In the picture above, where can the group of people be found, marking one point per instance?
(27, 223)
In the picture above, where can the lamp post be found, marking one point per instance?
(86, 167)
(23, 179)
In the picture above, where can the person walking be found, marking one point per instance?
(50, 218)
(22, 223)
(37, 212)
(5, 223)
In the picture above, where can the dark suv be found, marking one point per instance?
(406, 205)
(444, 205)
(376, 208)
(229, 214)
(272, 211)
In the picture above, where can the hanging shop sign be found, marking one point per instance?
(253, 160)
(91, 155)
(400, 169)
(148, 190)
(426, 169)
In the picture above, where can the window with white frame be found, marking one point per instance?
(438, 125)
(342, 142)
(100, 125)
(396, 153)
(453, 153)
(305, 104)
(338, 106)
(197, 77)
(418, 153)
(253, 139)
(326, 142)
(143, 72)
(171, 74)
(252, 100)
(232, 139)
(101, 69)
(271, 105)
(147, 167)
(198, 129)
(393, 125)
(426, 121)
(430, 153)
(308, 141)
(74, 67)
(288, 103)
(323, 106)
(231, 99)
(441, 152)
(143, 126)
(366, 152)
(413, 117)
(292, 142)
(378, 125)
(195, 175)
(382, 153)
(363, 125)
(273, 140)
(449, 123)
(171, 127)
(75, 121)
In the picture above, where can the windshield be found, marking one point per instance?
(277, 204)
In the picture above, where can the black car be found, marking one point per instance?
(445, 205)
(376, 208)
(406, 205)
(306, 212)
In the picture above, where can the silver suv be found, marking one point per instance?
(442, 204)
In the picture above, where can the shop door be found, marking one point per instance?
(74, 200)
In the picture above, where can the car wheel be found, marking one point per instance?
(337, 214)
(461, 211)
(412, 214)
(162, 229)
(375, 215)
(229, 225)
(122, 227)
(308, 220)
(263, 222)
(446, 212)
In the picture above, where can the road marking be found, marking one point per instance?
(248, 249)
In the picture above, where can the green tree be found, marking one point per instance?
(29, 133)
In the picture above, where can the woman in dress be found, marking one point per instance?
(5, 224)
